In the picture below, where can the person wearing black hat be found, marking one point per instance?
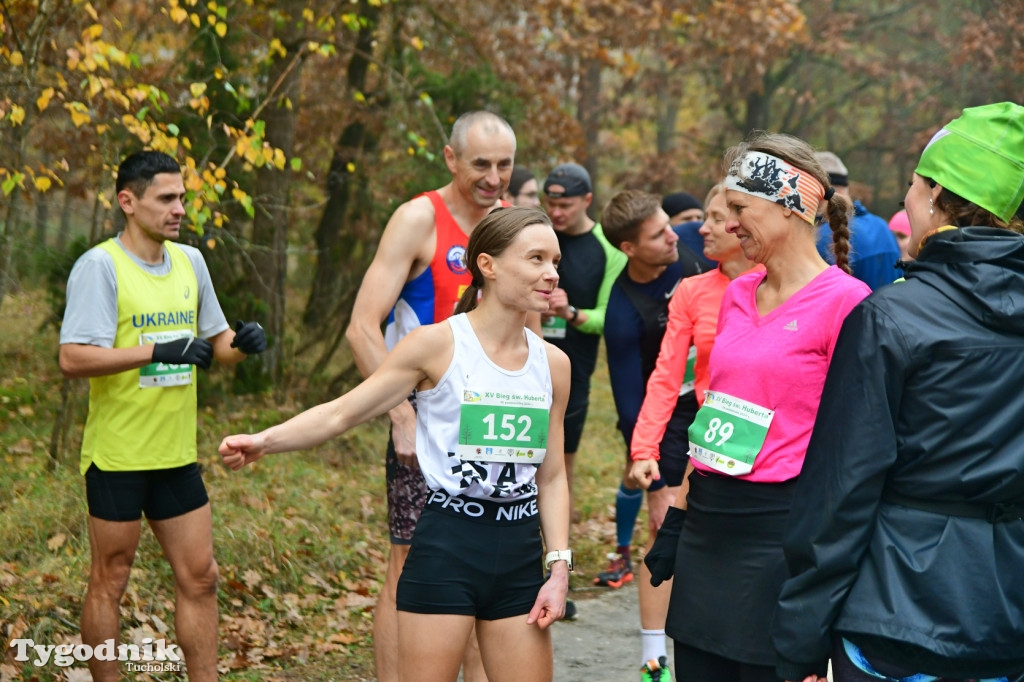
(686, 214)
(589, 267)
(522, 189)
(874, 250)
(682, 208)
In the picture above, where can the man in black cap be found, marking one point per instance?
(588, 269)
(682, 208)
(686, 214)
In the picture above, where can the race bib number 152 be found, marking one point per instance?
(497, 426)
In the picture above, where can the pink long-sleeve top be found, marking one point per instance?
(692, 320)
(779, 360)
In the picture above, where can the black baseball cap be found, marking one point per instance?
(572, 178)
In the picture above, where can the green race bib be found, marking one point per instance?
(159, 375)
(503, 426)
(554, 327)
(728, 433)
(689, 377)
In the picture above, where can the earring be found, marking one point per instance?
(931, 206)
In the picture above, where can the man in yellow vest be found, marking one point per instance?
(141, 311)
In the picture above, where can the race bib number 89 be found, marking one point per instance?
(497, 426)
(728, 433)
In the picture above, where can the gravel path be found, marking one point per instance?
(603, 644)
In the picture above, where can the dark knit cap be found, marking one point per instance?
(679, 202)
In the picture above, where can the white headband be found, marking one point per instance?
(769, 177)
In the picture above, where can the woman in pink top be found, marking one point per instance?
(776, 332)
(692, 321)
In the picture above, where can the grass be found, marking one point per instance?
(300, 539)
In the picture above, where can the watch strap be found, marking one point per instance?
(558, 555)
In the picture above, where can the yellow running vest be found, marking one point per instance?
(146, 418)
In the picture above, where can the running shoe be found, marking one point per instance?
(570, 610)
(619, 572)
(655, 671)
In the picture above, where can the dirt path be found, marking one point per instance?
(603, 644)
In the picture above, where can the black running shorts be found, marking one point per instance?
(466, 560)
(159, 493)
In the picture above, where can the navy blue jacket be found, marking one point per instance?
(924, 398)
(873, 250)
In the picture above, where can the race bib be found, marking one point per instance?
(728, 433)
(554, 327)
(689, 376)
(503, 426)
(159, 375)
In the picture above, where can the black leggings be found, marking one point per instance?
(696, 665)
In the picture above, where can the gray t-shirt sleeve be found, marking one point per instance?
(91, 314)
(211, 317)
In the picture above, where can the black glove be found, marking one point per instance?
(661, 559)
(188, 351)
(249, 337)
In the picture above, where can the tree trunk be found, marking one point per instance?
(668, 112)
(347, 193)
(266, 278)
(65, 221)
(42, 219)
(7, 242)
(757, 111)
(588, 114)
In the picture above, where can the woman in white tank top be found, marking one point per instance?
(491, 398)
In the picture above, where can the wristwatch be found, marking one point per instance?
(558, 555)
(574, 312)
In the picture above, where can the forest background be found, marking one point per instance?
(301, 125)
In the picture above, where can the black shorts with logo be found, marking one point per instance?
(159, 493)
(474, 558)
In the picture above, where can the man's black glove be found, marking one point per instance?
(188, 351)
(661, 559)
(249, 337)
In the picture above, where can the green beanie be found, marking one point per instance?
(980, 157)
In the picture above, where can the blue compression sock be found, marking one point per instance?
(627, 508)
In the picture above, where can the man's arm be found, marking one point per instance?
(399, 254)
(591, 321)
(222, 350)
(82, 361)
(622, 335)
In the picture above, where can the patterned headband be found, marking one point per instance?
(769, 177)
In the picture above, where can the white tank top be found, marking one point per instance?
(440, 411)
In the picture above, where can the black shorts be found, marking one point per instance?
(407, 491)
(696, 665)
(575, 417)
(464, 562)
(675, 444)
(160, 493)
